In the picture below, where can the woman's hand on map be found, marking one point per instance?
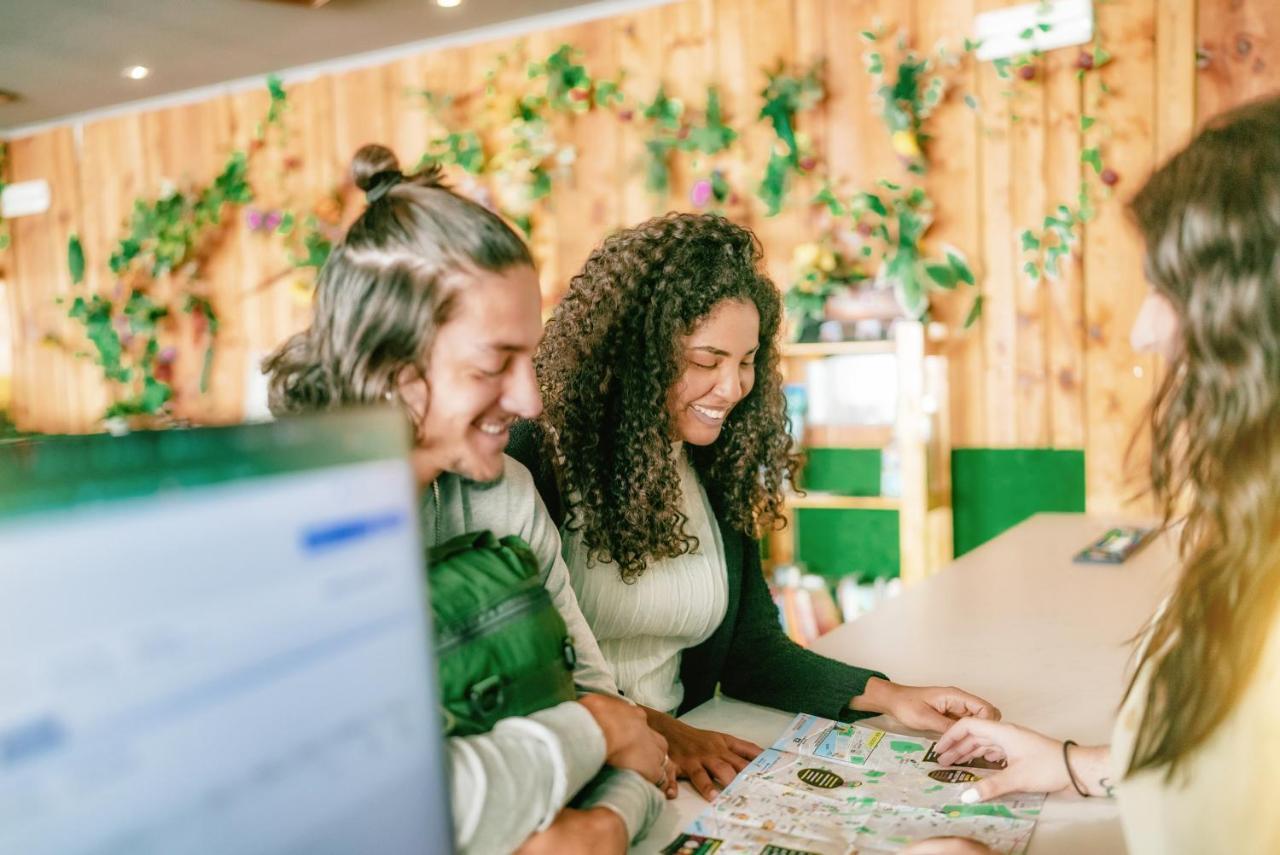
(948, 846)
(933, 708)
(709, 759)
(1034, 760)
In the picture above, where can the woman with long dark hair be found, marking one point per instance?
(1197, 741)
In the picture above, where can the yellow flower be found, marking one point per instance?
(805, 255)
(906, 144)
(827, 262)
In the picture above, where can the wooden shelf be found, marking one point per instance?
(820, 349)
(847, 436)
(832, 501)
(921, 430)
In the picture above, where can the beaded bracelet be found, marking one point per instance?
(1067, 743)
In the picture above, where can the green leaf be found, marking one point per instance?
(1032, 270)
(961, 268)
(720, 190)
(773, 187)
(868, 36)
(154, 395)
(1029, 32)
(826, 196)
(541, 184)
(874, 203)
(1043, 27)
(971, 45)
(1029, 241)
(942, 274)
(1093, 157)
(1086, 122)
(1002, 66)
(971, 102)
(75, 259)
(1100, 57)
(975, 312)
(658, 169)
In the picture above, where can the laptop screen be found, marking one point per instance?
(215, 640)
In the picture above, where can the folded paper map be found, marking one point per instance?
(827, 788)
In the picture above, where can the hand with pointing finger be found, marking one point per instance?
(1034, 760)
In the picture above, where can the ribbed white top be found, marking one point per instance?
(676, 603)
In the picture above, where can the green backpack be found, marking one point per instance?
(502, 647)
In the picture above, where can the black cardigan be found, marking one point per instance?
(748, 656)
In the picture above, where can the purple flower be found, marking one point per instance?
(254, 219)
(167, 355)
(273, 221)
(701, 194)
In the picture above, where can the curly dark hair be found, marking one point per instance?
(608, 360)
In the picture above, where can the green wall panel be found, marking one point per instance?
(993, 489)
(837, 543)
(847, 471)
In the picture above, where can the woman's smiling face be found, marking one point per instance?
(719, 371)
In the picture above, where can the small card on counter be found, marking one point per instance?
(1115, 546)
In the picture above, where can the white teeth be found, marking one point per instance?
(711, 414)
(493, 429)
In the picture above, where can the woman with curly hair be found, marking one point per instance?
(1197, 740)
(663, 450)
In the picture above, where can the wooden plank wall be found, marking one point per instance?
(1048, 366)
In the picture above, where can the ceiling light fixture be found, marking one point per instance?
(448, 4)
(136, 72)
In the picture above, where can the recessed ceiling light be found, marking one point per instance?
(448, 4)
(136, 72)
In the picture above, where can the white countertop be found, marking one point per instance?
(1014, 621)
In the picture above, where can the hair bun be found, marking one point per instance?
(371, 164)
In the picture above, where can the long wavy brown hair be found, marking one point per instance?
(609, 358)
(1211, 220)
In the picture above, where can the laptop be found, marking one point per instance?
(216, 641)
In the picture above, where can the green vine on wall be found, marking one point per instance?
(892, 218)
(907, 97)
(1056, 237)
(166, 238)
(512, 140)
(672, 130)
(786, 96)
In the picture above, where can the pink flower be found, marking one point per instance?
(700, 195)
(167, 356)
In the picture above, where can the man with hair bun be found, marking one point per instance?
(432, 301)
